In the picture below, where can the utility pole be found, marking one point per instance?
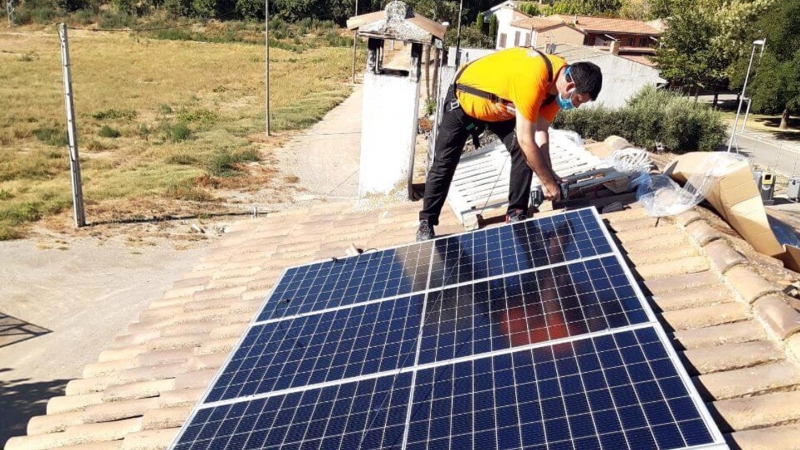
(10, 12)
(72, 132)
(458, 34)
(266, 58)
(355, 37)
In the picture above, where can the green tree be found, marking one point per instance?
(493, 24)
(686, 56)
(776, 85)
(479, 22)
(588, 7)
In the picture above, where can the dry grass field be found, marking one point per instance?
(163, 126)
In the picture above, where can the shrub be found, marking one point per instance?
(186, 191)
(52, 136)
(179, 132)
(114, 114)
(182, 159)
(651, 116)
(108, 132)
(116, 20)
(225, 163)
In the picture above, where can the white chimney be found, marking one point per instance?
(615, 47)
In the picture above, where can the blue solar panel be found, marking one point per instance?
(613, 391)
(347, 281)
(527, 308)
(345, 343)
(366, 414)
(449, 344)
(518, 247)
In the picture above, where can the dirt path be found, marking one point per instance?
(325, 158)
(59, 308)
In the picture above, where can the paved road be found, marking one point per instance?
(781, 157)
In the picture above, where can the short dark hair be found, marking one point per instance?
(587, 77)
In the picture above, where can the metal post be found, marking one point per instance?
(355, 37)
(744, 90)
(458, 34)
(72, 132)
(266, 58)
(10, 12)
(746, 113)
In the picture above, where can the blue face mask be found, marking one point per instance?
(566, 103)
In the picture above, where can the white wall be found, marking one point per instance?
(504, 18)
(388, 133)
(622, 79)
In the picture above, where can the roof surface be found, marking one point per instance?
(537, 23)
(589, 24)
(429, 26)
(733, 329)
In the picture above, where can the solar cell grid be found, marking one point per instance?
(613, 391)
(361, 352)
(366, 414)
(347, 281)
(527, 308)
(518, 247)
(345, 343)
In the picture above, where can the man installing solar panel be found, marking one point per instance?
(516, 94)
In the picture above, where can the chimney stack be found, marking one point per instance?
(575, 19)
(615, 47)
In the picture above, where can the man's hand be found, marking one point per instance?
(551, 188)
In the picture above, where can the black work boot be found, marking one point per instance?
(516, 215)
(425, 231)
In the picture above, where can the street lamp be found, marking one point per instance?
(762, 43)
(458, 33)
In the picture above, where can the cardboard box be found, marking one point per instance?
(736, 198)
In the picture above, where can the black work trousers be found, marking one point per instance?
(450, 139)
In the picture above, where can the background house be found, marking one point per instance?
(622, 36)
(622, 77)
(536, 31)
(633, 36)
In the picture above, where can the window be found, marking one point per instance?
(516, 38)
(528, 39)
(502, 40)
(643, 42)
(630, 42)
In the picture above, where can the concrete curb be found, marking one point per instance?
(764, 300)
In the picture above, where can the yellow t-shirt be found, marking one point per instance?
(517, 75)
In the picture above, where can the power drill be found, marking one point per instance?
(537, 194)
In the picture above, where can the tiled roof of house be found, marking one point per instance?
(733, 328)
(589, 24)
(537, 23)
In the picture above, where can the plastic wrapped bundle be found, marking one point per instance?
(661, 196)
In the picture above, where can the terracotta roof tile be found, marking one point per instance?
(160, 366)
(756, 412)
(732, 356)
(690, 298)
(751, 380)
(537, 23)
(591, 24)
(64, 404)
(150, 439)
(157, 419)
(705, 316)
(720, 334)
(109, 445)
(137, 389)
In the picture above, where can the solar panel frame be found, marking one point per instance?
(719, 441)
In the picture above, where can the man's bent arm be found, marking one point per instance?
(526, 131)
(543, 139)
